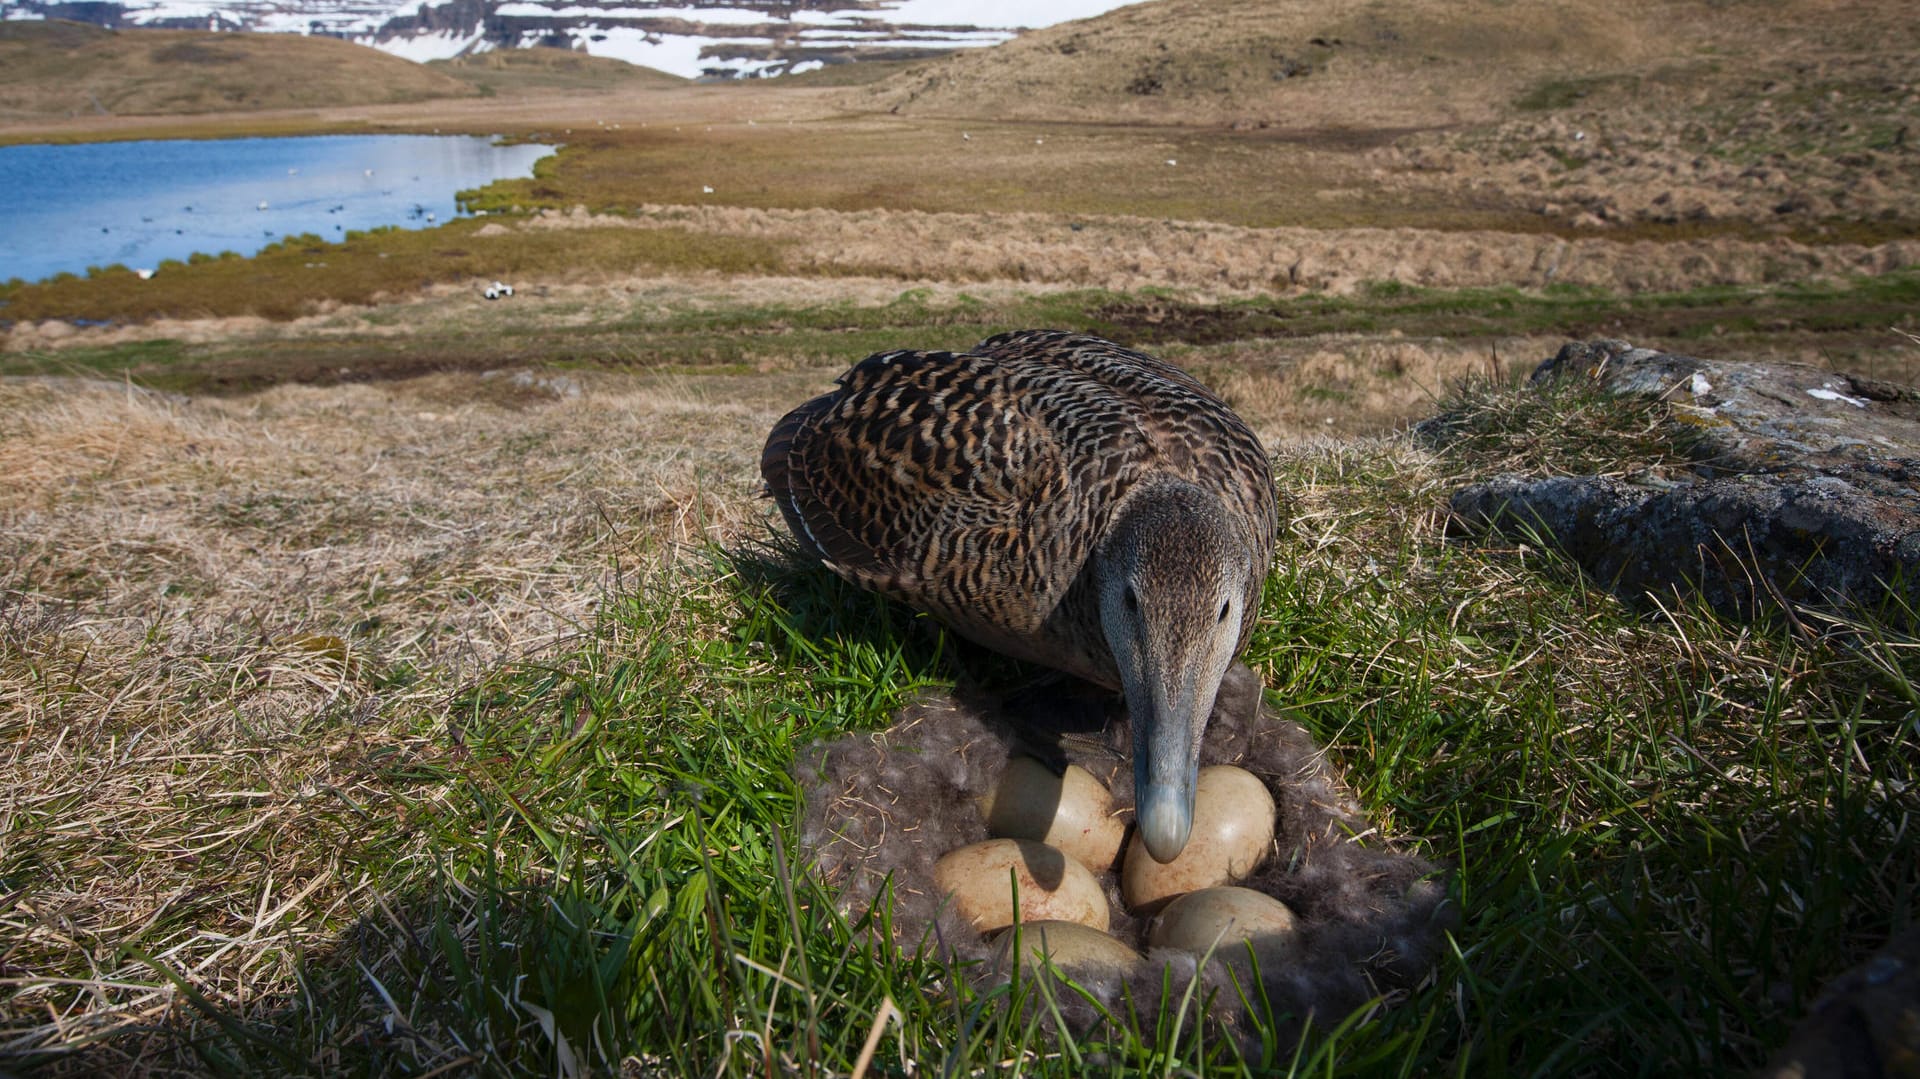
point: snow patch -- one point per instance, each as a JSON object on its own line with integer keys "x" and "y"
{"x": 623, "y": 25}
{"x": 420, "y": 48}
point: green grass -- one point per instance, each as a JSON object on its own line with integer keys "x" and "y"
{"x": 300, "y": 274}
{"x": 1552, "y": 94}
{"x": 1844, "y": 316}
{"x": 1664, "y": 830}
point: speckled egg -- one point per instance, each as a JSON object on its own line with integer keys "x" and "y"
{"x": 981, "y": 879}
{"x": 1219, "y": 918}
{"x": 1232, "y": 834}
{"x": 1072, "y": 947}
{"x": 1072, "y": 812}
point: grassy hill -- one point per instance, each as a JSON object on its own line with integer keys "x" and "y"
{"x": 520, "y": 71}
{"x": 51, "y": 69}
{"x": 1342, "y": 63}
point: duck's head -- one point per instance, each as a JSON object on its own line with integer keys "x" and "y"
{"x": 1178, "y": 588}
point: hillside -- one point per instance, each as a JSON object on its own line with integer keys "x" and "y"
{"x": 52, "y": 69}
{"x": 1656, "y": 113}
{"x": 545, "y": 70}
{"x": 1349, "y": 63}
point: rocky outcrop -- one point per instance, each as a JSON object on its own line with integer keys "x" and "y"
{"x": 1803, "y": 487}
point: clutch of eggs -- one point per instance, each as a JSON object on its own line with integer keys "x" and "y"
{"x": 1055, "y": 831}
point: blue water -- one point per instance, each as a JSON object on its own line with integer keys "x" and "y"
{"x": 136, "y": 203}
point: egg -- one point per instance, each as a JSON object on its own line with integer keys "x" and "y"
{"x": 1052, "y": 886}
{"x": 1219, "y": 918}
{"x": 1072, "y": 947}
{"x": 1232, "y": 834}
{"x": 1072, "y": 812}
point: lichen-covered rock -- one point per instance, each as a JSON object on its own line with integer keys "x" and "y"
{"x": 1804, "y": 487}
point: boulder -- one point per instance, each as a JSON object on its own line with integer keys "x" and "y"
{"x": 1802, "y": 487}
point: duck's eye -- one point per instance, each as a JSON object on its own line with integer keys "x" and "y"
{"x": 1132, "y": 600}
{"x": 1224, "y": 609}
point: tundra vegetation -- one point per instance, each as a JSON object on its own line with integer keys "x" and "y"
{"x": 395, "y": 682}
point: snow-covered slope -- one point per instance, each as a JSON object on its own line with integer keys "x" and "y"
{"x": 693, "y": 38}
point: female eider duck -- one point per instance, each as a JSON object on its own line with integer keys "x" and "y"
{"x": 1057, "y": 498}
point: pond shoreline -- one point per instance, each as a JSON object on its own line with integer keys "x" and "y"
{"x": 148, "y": 204}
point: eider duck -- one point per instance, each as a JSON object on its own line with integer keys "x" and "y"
{"x": 1057, "y": 498}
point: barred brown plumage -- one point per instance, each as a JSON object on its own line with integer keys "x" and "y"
{"x": 1058, "y": 498}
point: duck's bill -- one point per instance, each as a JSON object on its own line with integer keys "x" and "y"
{"x": 1166, "y": 750}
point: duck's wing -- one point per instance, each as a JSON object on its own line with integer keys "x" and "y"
{"x": 1193, "y": 434}
{"x": 959, "y": 483}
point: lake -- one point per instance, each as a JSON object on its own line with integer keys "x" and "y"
{"x": 136, "y": 203}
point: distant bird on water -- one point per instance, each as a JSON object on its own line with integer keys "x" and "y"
{"x": 1058, "y": 498}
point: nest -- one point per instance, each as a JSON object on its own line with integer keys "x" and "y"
{"x": 883, "y": 807}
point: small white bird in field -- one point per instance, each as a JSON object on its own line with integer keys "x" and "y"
{"x": 706, "y": 189}
{"x": 143, "y": 274}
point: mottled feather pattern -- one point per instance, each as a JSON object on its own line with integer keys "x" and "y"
{"x": 975, "y": 485}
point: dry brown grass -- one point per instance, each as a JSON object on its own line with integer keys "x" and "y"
{"x": 221, "y": 619}
{"x": 1678, "y": 114}
{"x": 1126, "y": 253}
{"x": 1305, "y": 390}
{"x": 1346, "y": 64}
{"x": 1358, "y": 65}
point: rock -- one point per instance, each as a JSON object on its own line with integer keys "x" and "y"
{"x": 1804, "y": 487}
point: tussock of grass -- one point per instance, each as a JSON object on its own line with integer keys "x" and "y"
{"x": 1666, "y": 829}
{"x": 1559, "y": 428}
